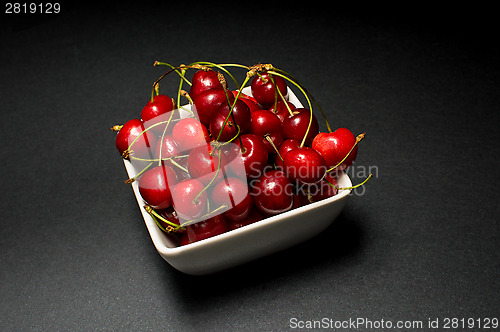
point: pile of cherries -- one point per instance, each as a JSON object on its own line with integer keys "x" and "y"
{"x": 230, "y": 159}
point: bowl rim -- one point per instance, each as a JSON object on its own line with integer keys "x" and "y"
{"x": 262, "y": 223}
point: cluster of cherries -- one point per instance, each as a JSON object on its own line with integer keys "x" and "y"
{"x": 230, "y": 159}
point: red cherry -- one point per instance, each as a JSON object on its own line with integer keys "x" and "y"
{"x": 254, "y": 216}
{"x": 304, "y": 164}
{"x": 206, "y": 228}
{"x": 297, "y": 201}
{"x": 296, "y": 126}
{"x": 301, "y": 195}
{"x": 241, "y": 113}
{"x": 243, "y": 96}
{"x": 284, "y": 148}
{"x": 281, "y": 110}
{"x": 207, "y": 102}
{"x": 325, "y": 188}
{"x": 218, "y": 123}
{"x": 203, "y": 164}
{"x": 166, "y": 148}
{"x": 203, "y": 80}
{"x": 161, "y": 109}
{"x": 161, "y": 104}
{"x": 233, "y": 192}
{"x": 185, "y": 201}
{"x": 267, "y": 123}
{"x": 185, "y": 240}
{"x": 263, "y": 89}
{"x": 189, "y": 133}
{"x": 335, "y": 146}
{"x": 155, "y": 184}
{"x": 252, "y": 105}
{"x": 253, "y": 156}
{"x": 171, "y": 215}
{"x": 131, "y": 133}
{"x": 272, "y": 193}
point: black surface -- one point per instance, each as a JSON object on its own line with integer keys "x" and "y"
{"x": 421, "y": 243}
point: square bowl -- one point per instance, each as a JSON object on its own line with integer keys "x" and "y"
{"x": 249, "y": 242}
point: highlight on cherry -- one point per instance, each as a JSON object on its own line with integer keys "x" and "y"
{"x": 225, "y": 147}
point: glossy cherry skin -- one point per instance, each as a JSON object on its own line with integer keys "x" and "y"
{"x": 203, "y": 164}
{"x": 272, "y": 193}
{"x": 161, "y": 104}
{"x": 263, "y": 89}
{"x": 267, "y": 123}
{"x": 324, "y": 188}
{"x": 159, "y": 110}
{"x": 304, "y": 164}
{"x": 155, "y": 186}
{"x": 296, "y": 126}
{"x": 234, "y": 193}
{"x": 254, "y": 216}
{"x": 142, "y": 147}
{"x": 206, "y": 228}
{"x": 335, "y": 146}
{"x": 189, "y": 133}
{"x": 171, "y": 215}
{"x": 284, "y": 148}
{"x": 221, "y": 129}
{"x": 185, "y": 240}
{"x": 243, "y": 96}
{"x": 252, "y": 104}
{"x": 253, "y": 156}
{"x": 184, "y": 199}
{"x": 203, "y": 80}
{"x": 166, "y": 148}
{"x": 281, "y": 110}
{"x": 206, "y": 104}
{"x": 241, "y": 113}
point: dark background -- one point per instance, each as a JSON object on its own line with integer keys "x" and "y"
{"x": 422, "y": 242}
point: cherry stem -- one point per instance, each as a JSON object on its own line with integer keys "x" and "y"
{"x": 159, "y": 79}
{"x": 179, "y": 166}
{"x": 204, "y": 217}
{"x": 235, "y": 136}
{"x": 171, "y": 159}
{"x": 116, "y": 128}
{"x": 233, "y": 104}
{"x": 296, "y": 82}
{"x": 222, "y": 80}
{"x": 148, "y": 128}
{"x": 221, "y": 67}
{"x": 285, "y": 102}
{"x": 128, "y": 181}
{"x": 183, "y": 72}
{"x": 358, "y": 139}
{"x": 211, "y": 181}
{"x": 163, "y": 135}
{"x": 305, "y": 95}
{"x": 164, "y": 159}
{"x": 186, "y": 95}
{"x": 176, "y": 69}
{"x": 155, "y": 215}
{"x": 268, "y": 138}
{"x": 353, "y": 187}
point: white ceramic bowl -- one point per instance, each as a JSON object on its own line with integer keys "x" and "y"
{"x": 250, "y": 242}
